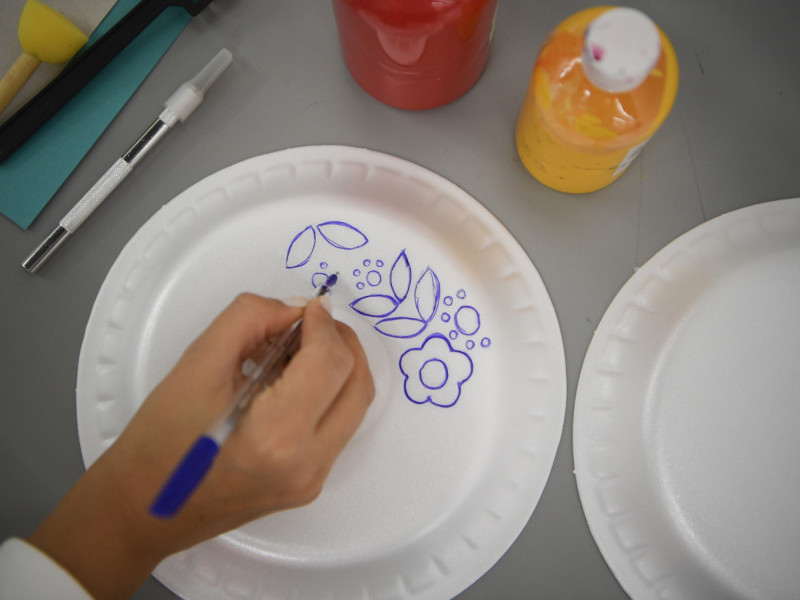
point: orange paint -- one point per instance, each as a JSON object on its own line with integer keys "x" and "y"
{"x": 575, "y": 137}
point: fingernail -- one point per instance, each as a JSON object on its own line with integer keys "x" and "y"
{"x": 325, "y": 301}
{"x": 295, "y": 301}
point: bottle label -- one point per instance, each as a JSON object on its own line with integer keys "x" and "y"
{"x": 629, "y": 157}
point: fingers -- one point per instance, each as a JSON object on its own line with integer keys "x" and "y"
{"x": 321, "y": 367}
{"x": 343, "y": 417}
{"x": 236, "y": 332}
{"x": 308, "y": 415}
{"x": 281, "y": 450}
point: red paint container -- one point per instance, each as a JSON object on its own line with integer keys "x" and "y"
{"x": 415, "y": 54}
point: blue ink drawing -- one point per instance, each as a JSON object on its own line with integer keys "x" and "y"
{"x": 374, "y": 305}
{"x": 301, "y": 248}
{"x": 342, "y": 235}
{"x": 374, "y": 278}
{"x": 426, "y": 299}
{"x": 426, "y": 295}
{"x": 467, "y": 320}
{"x": 337, "y": 233}
{"x": 434, "y": 372}
{"x": 317, "y": 279}
{"x": 400, "y": 277}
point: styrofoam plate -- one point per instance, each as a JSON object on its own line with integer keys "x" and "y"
{"x": 687, "y": 453}
{"x": 460, "y": 333}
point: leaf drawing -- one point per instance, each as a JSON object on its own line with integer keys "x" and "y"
{"x": 301, "y": 248}
{"x": 377, "y": 305}
{"x": 426, "y": 295}
{"x": 400, "y": 277}
{"x": 400, "y": 327}
{"x": 342, "y": 235}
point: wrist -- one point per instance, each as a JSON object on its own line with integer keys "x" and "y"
{"x": 96, "y": 535}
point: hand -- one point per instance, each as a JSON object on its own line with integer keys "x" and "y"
{"x": 277, "y": 457}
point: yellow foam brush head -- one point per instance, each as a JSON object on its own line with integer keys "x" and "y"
{"x": 47, "y": 34}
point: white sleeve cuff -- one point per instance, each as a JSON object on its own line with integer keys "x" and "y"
{"x": 26, "y": 573}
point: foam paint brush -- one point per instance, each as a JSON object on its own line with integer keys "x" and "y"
{"x": 45, "y": 35}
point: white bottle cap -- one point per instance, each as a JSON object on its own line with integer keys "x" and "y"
{"x": 620, "y": 48}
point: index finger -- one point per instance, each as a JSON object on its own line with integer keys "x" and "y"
{"x": 236, "y": 331}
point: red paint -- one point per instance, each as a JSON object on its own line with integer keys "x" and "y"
{"x": 415, "y": 54}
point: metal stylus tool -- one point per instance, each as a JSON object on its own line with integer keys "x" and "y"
{"x": 178, "y": 107}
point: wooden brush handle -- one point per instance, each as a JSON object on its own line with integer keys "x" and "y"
{"x": 16, "y": 77}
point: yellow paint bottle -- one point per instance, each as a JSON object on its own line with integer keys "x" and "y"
{"x": 604, "y": 81}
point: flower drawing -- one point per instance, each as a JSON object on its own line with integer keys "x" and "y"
{"x": 435, "y": 372}
{"x": 404, "y": 300}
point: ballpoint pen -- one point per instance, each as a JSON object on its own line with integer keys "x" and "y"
{"x": 265, "y": 366}
{"x": 178, "y": 107}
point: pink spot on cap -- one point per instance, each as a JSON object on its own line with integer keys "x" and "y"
{"x": 598, "y": 52}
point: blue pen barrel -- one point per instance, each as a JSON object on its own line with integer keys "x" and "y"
{"x": 186, "y": 477}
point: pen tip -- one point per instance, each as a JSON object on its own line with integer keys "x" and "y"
{"x": 331, "y": 281}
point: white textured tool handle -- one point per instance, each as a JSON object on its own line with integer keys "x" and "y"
{"x": 98, "y": 192}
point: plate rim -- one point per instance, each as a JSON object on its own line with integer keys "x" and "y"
{"x": 611, "y": 541}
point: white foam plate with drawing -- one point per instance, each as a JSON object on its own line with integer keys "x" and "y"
{"x": 461, "y": 336}
{"x": 686, "y": 414}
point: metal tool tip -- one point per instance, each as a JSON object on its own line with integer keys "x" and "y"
{"x": 45, "y": 250}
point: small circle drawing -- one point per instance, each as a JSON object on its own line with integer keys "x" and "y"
{"x": 467, "y": 320}
{"x": 453, "y": 334}
{"x": 448, "y": 301}
{"x": 461, "y": 294}
{"x": 470, "y": 344}
{"x": 356, "y": 272}
{"x": 373, "y": 278}
{"x": 445, "y": 317}
{"x": 486, "y": 342}
{"x": 433, "y": 374}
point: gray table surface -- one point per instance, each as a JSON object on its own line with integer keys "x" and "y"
{"x": 732, "y": 140}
